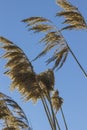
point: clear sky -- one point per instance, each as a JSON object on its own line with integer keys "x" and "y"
{"x": 70, "y": 81}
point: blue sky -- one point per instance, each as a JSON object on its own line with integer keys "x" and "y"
{"x": 70, "y": 81}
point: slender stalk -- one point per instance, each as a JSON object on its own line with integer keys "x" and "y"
{"x": 57, "y": 123}
{"x": 53, "y": 115}
{"x": 47, "y": 113}
{"x": 49, "y": 117}
{"x": 76, "y": 60}
{"x": 74, "y": 56}
{"x": 52, "y": 119}
{"x": 64, "y": 118}
{"x": 46, "y": 108}
{"x": 59, "y": 31}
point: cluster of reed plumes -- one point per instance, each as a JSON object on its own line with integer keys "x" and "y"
{"x": 31, "y": 85}
{"x": 20, "y": 70}
{"x": 53, "y": 40}
{"x": 72, "y": 16}
{"x": 34, "y": 86}
{"x": 12, "y": 116}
